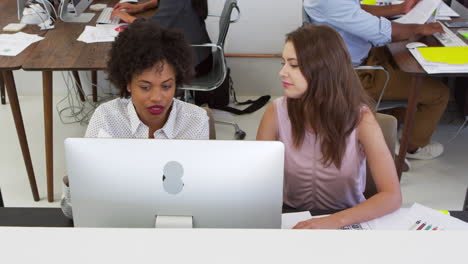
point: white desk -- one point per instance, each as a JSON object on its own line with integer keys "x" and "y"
{"x": 76, "y": 245}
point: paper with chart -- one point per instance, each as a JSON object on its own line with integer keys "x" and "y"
{"x": 101, "y": 33}
{"x": 420, "y": 13}
{"x": 14, "y": 44}
{"x": 422, "y": 218}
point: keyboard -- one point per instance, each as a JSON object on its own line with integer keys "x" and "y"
{"x": 449, "y": 39}
{"x": 105, "y": 17}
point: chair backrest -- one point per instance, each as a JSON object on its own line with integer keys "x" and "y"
{"x": 212, "y": 134}
{"x": 1, "y": 199}
{"x": 388, "y": 124}
{"x": 225, "y": 20}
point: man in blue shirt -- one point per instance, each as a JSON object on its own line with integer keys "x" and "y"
{"x": 365, "y": 31}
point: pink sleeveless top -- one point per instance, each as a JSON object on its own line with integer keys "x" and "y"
{"x": 308, "y": 184}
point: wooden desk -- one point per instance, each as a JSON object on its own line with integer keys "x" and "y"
{"x": 7, "y": 65}
{"x": 108, "y": 245}
{"x": 407, "y": 63}
{"x": 53, "y": 217}
{"x": 61, "y": 51}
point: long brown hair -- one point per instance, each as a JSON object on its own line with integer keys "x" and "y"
{"x": 331, "y": 104}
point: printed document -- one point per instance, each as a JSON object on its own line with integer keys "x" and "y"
{"x": 14, "y": 44}
{"x": 100, "y": 33}
{"x": 420, "y": 13}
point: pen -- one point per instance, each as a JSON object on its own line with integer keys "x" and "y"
{"x": 435, "y": 228}
{"x": 414, "y": 225}
{"x": 428, "y": 227}
{"x": 421, "y": 226}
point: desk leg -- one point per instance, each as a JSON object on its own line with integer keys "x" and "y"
{"x": 79, "y": 87}
{"x": 48, "y": 125}
{"x": 15, "y": 109}
{"x": 2, "y": 89}
{"x": 409, "y": 121}
{"x": 94, "y": 84}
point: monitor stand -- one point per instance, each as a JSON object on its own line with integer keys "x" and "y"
{"x": 170, "y": 221}
{"x": 72, "y": 18}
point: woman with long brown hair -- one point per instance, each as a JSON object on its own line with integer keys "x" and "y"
{"x": 328, "y": 129}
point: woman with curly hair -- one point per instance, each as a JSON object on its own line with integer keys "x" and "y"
{"x": 147, "y": 63}
{"x": 185, "y": 15}
{"x": 328, "y": 129}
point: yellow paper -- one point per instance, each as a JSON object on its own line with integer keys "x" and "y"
{"x": 450, "y": 55}
{"x": 369, "y": 2}
{"x": 444, "y": 211}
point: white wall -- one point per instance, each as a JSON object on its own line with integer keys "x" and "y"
{"x": 261, "y": 30}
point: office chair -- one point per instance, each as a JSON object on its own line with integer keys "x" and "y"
{"x": 2, "y": 89}
{"x": 212, "y": 134}
{"x": 218, "y": 73}
{"x": 1, "y": 199}
{"x": 388, "y": 124}
{"x": 465, "y": 204}
{"x": 383, "y": 104}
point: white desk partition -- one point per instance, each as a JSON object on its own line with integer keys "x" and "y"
{"x": 75, "y": 245}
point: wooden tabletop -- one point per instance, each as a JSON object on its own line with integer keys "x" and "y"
{"x": 9, "y": 14}
{"x": 407, "y": 63}
{"x": 62, "y": 51}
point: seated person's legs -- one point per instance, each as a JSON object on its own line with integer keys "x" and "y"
{"x": 432, "y": 101}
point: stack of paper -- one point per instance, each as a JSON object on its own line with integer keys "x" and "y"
{"x": 101, "y": 33}
{"x": 444, "y": 12}
{"x": 442, "y": 59}
{"x": 420, "y": 13}
{"x": 14, "y": 44}
{"x": 418, "y": 217}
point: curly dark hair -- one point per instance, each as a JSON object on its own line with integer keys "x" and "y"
{"x": 143, "y": 45}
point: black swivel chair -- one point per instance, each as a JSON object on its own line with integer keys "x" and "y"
{"x": 1, "y": 199}
{"x": 218, "y": 73}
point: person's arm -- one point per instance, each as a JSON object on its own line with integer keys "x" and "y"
{"x": 349, "y": 17}
{"x": 409, "y": 31}
{"x": 382, "y": 166}
{"x": 123, "y": 10}
{"x": 136, "y": 8}
{"x": 390, "y": 10}
{"x": 123, "y": 15}
{"x": 267, "y": 130}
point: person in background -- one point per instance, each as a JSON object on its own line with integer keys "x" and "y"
{"x": 365, "y": 31}
{"x": 147, "y": 63}
{"x": 329, "y": 130}
{"x": 185, "y": 15}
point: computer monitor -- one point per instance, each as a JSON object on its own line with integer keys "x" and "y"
{"x": 218, "y": 184}
{"x": 21, "y": 4}
{"x": 78, "y": 16}
{"x": 461, "y": 7}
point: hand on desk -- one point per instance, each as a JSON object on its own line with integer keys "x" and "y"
{"x": 130, "y": 8}
{"x": 327, "y": 222}
{"x": 124, "y": 16}
{"x": 429, "y": 29}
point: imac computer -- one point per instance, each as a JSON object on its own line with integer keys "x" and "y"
{"x": 175, "y": 183}
{"x": 78, "y": 16}
{"x": 21, "y": 4}
{"x": 33, "y": 12}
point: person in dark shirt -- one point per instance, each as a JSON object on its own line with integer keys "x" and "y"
{"x": 185, "y": 15}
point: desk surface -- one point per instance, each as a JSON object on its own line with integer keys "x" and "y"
{"x": 62, "y": 51}
{"x": 407, "y": 63}
{"x": 53, "y": 217}
{"x": 93, "y": 245}
{"x": 9, "y": 15}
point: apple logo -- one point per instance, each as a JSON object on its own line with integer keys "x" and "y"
{"x": 172, "y": 177}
